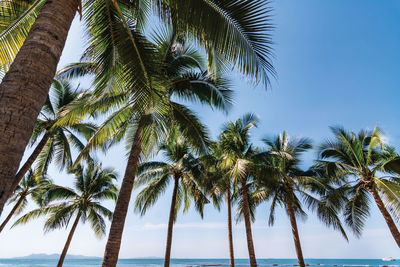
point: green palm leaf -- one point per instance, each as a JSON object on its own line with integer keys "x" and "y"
{"x": 16, "y": 19}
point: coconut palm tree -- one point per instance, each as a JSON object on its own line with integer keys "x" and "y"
{"x": 237, "y": 159}
{"x": 281, "y": 180}
{"x": 357, "y": 159}
{"x": 92, "y": 186}
{"x": 218, "y": 186}
{"x": 56, "y": 138}
{"x": 181, "y": 167}
{"x": 173, "y": 71}
{"x": 26, "y": 84}
{"x": 238, "y": 31}
{"x": 33, "y": 184}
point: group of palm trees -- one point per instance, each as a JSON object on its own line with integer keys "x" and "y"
{"x": 141, "y": 84}
{"x": 336, "y": 187}
{"x": 137, "y": 79}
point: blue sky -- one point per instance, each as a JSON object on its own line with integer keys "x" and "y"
{"x": 338, "y": 63}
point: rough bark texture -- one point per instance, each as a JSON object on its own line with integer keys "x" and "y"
{"x": 25, "y": 86}
{"x": 389, "y": 220}
{"x": 117, "y": 226}
{"x": 296, "y": 237}
{"x": 171, "y": 219}
{"x": 230, "y": 235}
{"x": 22, "y": 171}
{"x": 66, "y": 246}
{"x": 247, "y": 222}
{"x": 11, "y": 213}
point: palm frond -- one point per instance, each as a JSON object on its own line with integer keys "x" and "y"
{"x": 390, "y": 190}
{"x": 16, "y": 19}
{"x": 356, "y": 210}
{"x": 238, "y": 30}
{"x": 97, "y": 223}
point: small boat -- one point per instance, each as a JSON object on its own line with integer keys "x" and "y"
{"x": 388, "y": 259}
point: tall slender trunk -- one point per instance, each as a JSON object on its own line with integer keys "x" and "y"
{"x": 25, "y": 86}
{"x": 66, "y": 246}
{"x": 296, "y": 237}
{"x": 171, "y": 219}
{"x": 21, "y": 198}
{"x": 247, "y": 222}
{"x": 22, "y": 171}
{"x": 117, "y": 226}
{"x": 230, "y": 235}
{"x": 389, "y": 221}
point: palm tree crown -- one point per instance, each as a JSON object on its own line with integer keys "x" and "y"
{"x": 56, "y": 140}
{"x": 61, "y": 136}
{"x": 92, "y": 186}
{"x": 184, "y": 169}
{"x": 180, "y": 164}
{"x": 33, "y": 184}
{"x": 237, "y": 162}
{"x": 357, "y": 160}
{"x": 279, "y": 178}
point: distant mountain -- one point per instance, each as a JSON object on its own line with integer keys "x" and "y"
{"x": 56, "y": 256}
{"x": 146, "y": 258}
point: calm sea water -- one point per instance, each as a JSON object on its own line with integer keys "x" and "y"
{"x": 200, "y": 262}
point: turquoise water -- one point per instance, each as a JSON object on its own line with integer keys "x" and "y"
{"x": 199, "y": 262}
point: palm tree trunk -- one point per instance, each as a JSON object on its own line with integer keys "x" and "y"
{"x": 11, "y": 213}
{"x": 25, "y": 86}
{"x": 66, "y": 246}
{"x": 117, "y": 226}
{"x": 230, "y": 235}
{"x": 389, "y": 221}
{"x": 247, "y": 222}
{"x": 171, "y": 220}
{"x": 22, "y": 171}
{"x": 296, "y": 237}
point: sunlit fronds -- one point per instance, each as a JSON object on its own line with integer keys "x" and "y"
{"x": 16, "y": 19}
{"x": 93, "y": 184}
{"x": 390, "y": 191}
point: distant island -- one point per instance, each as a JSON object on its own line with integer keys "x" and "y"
{"x": 42, "y": 256}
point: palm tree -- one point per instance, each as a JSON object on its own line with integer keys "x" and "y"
{"x": 26, "y": 84}
{"x": 33, "y": 184}
{"x": 181, "y": 167}
{"x": 357, "y": 159}
{"x": 56, "y": 138}
{"x": 237, "y": 159}
{"x": 237, "y": 31}
{"x": 281, "y": 180}
{"x": 173, "y": 71}
{"x": 92, "y": 185}
{"x": 219, "y": 186}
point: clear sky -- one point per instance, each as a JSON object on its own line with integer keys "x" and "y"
{"x": 338, "y": 63}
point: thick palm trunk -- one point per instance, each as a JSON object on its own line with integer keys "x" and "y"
{"x": 66, "y": 246}
{"x": 11, "y": 213}
{"x": 117, "y": 226}
{"x": 230, "y": 235}
{"x": 28, "y": 164}
{"x": 24, "y": 88}
{"x": 171, "y": 219}
{"x": 389, "y": 221}
{"x": 247, "y": 222}
{"x": 296, "y": 237}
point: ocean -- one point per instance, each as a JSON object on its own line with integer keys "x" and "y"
{"x": 199, "y": 262}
